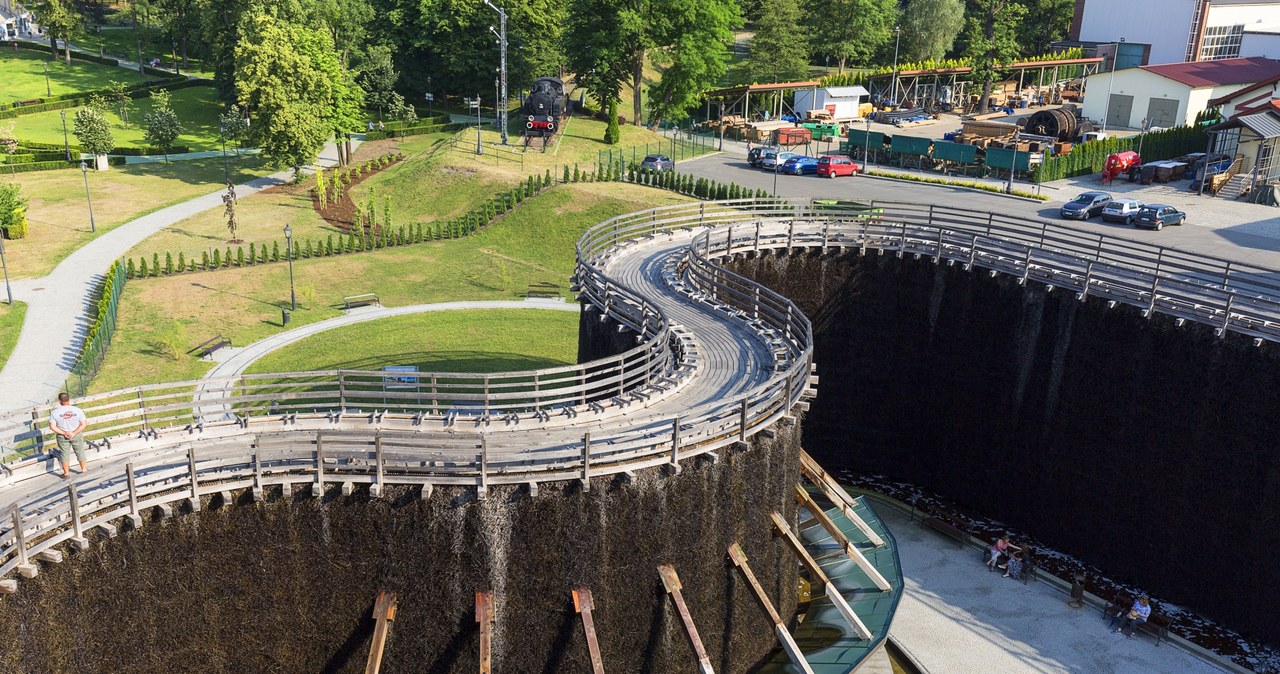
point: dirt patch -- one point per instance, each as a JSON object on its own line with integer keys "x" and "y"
{"x": 343, "y": 212}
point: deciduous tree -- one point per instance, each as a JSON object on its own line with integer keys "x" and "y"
{"x": 162, "y": 125}
{"x": 60, "y": 21}
{"x": 693, "y": 54}
{"x": 929, "y": 28}
{"x": 991, "y": 34}
{"x": 851, "y": 31}
{"x": 779, "y": 50}
{"x": 92, "y": 131}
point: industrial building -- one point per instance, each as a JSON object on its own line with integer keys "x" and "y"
{"x": 1170, "y": 94}
{"x": 1175, "y": 30}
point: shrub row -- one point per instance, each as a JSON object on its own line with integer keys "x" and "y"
{"x": 1090, "y": 157}
{"x": 374, "y": 237}
{"x": 421, "y": 121}
{"x": 53, "y": 165}
{"x": 129, "y": 151}
{"x": 986, "y": 187}
{"x": 82, "y": 98}
{"x": 700, "y": 188}
{"x": 412, "y": 131}
{"x": 31, "y": 46}
{"x": 101, "y": 328}
{"x": 171, "y": 81}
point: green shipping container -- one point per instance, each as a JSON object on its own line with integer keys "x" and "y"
{"x": 960, "y": 153}
{"x": 911, "y": 145}
{"x": 1001, "y": 158}
{"x": 858, "y": 138}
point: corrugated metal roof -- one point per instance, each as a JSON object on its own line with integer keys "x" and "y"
{"x": 1222, "y": 72}
{"x": 847, "y": 92}
{"x": 1265, "y": 124}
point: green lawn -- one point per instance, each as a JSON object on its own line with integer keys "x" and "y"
{"x": 197, "y": 109}
{"x": 59, "y": 214}
{"x": 450, "y": 341}
{"x": 10, "y": 326}
{"x": 24, "y": 77}
{"x": 532, "y": 244}
{"x": 119, "y": 42}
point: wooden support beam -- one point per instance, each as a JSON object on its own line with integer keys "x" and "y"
{"x": 671, "y": 582}
{"x": 384, "y": 612}
{"x": 485, "y": 618}
{"x": 25, "y": 567}
{"x": 784, "y": 637}
{"x": 829, "y": 486}
{"x": 820, "y": 577}
{"x": 317, "y": 487}
{"x": 77, "y": 526}
{"x": 850, "y": 549}
{"x": 8, "y": 586}
{"x": 194, "y": 499}
{"x": 582, "y": 603}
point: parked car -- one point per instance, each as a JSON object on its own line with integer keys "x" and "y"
{"x": 1156, "y": 216}
{"x": 770, "y": 161}
{"x": 801, "y": 165}
{"x": 837, "y": 166}
{"x": 755, "y": 154}
{"x": 658, "y": 163}
{"x": 1121, "y": 210}
{"x": 1085, "y": 206}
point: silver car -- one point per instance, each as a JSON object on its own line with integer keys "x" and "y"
{"x": 1122, "y": 210}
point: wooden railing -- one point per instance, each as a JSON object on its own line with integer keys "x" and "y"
{"x": 319, "y": 428}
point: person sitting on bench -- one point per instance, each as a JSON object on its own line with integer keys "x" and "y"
{"x": 1013, "y": 569}
{"x": 1128, "y": 622}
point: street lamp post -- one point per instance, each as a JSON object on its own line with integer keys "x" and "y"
{"x": 721, "y": 125}
{"x": 1012, "y": 167}
{"x": 1106, "y": 111}
{"x": 288, "y": 242}
{"x": 476, "y": 104}
{"x": 47, "y": 90}
{"x": 84, "y": 170}
{"x": 501, "y": 33}
{"x": 8, "y": 290}
{"x": 897, "y": 37}
{"x": 66, "y": 145}
{"x": 1146, "y": 124}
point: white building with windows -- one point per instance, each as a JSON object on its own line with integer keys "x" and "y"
{"x": 1170, "y": 94}
{"x": 1176, "y": 30}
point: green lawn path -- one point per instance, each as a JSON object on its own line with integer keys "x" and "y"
{"x": 497, "y": 340}
{"x": 24, "y": 76}
{"x": 197, "y": 109}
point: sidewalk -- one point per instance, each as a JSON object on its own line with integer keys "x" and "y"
{"x": 57, "y": 317}
{"x": 958, "y": 617}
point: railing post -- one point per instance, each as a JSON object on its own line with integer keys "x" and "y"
{"x": 77, "y": 527}
{"x": 791, "y": 232}
{"x": 757, "y": 239}
{"x": 378, "y": 462}
{"x": 1226, "y": 314}
{"x": 195, "y": 484}
{"x": 938, "y": 255}
{"x": 485, "y": 382}
{"x": 1026, "y": 266}
{"x": 1151, "y": 308}
{"x": 133, "y": 488}
{"x": 20, "y": 539}
{"x": 675, "y": 444}
{"x": 142, "y": 410}
{"x": 742, "y": 422}
{"x": 484, "y": 465}
{"x": 1098, "y": 254}
{"x": 586, "y": 461}
{"x": 1044, "y": 229}
{"x": 1226, "y": 274}
{"x": 990, "y": 216}
{"x": 318, "y": 487}
{"x": 1159, "y": 259}
{"x": 342, "y": 391}
{"x": 1088, "y": 280}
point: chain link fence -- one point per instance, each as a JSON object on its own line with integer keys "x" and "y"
{"x": 675, "y": 148}
{"x": 101, "y": 329}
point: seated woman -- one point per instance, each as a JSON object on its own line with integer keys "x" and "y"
{"x": 1128, "y": 622}
{"x": 995, "y": 552}
{"x": 1013, "y": 569}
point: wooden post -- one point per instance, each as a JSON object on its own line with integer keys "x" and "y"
{"x": 485, "y": 618}
{"x": 582, "y": 603}
{"x": 384, "y": 612}
{"x": 483, "y": 490}
{"x": 25, "y": 567}
{"x": 742, "y": 424}
{"x": 849, "y": 548}
{"x": 377, "y": 459}
{"x": 671, "y": 582}
{"x": 133, "y": 488}
{"x": 675, "y": 445}
{"x": 586, "y": 461}
{"x": 829, "y": 486}
{"x": 317, "y": 489}
{"x": 257, "y": 477}
{"x": 194, "y": 500}
{"x": 77, "y": 527}
{"x": 784, "y": 637}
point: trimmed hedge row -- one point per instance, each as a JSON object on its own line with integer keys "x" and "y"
{"x": 1087, "y": 158}
{"x": 421, "y": 121}
{"x": 985, "y": 187}
{"x": 82, "y": 98}
{"x": 128, "y": 151}
{"x": 413, "y": 131}
{"x": 28, "y": 157}
{"x": 101, "y": 329}
{"x": 79, "y": 56}
{"x": 53, "y": 165}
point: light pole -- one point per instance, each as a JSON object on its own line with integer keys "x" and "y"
{"x": 47, "y": 90}
{"x": 476, "y": 104}
{"x": 8, "y": 290}
{"x": 721, "y": 125}
{"x": 501, "y": 33}
{"x": 1012, "y": 167}
{"x": 897, "y": 37}
{"x": 1146, "y": 124}
{"x": 84, "y": 170}
{"x": 866, "y": 148}
{"x": 1106, "y": 111}
{"x": 288, "y": 242}
{"x": 66, "y": 145}
{"x": 222, "y": 135}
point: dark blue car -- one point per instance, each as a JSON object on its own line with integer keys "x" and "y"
{"x": 801, "y": 165}
{"x": 1156, "y": 216}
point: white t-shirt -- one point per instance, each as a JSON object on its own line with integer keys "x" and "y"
{"x": 66, "y": 417}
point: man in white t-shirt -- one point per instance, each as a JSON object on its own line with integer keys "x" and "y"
{"x": 67, "y": 423}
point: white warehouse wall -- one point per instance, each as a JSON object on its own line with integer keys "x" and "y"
{"x": 1163, "y": 24}
{"x": 1143, "y": 86}
{"x": 1230, "y": 15}
{"x": 1261, "y": 44}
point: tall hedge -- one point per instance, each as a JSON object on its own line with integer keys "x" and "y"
{"x": 1087, "y": 158}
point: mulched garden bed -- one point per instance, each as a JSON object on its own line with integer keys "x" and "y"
{"x": 1197, "y": 629}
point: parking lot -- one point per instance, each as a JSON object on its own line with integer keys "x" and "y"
{"x": 1227, "y": 229}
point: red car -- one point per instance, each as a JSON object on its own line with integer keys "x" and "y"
{"x": 831, "y": 167}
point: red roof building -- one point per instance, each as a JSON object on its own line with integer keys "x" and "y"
{"x": 1172, "y": 94}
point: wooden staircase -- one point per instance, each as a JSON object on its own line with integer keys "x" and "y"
{"x": 1238, "y": 185}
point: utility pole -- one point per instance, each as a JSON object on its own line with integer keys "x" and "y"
{"x": 1106, "y": 111}
{"x": 897, "y": 37}
{"x": 501, "y": 33}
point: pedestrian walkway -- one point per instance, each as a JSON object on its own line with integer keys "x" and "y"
{"x": 58, "y": 304}
{"x": 957, "y": 617}
{"x": 182, "y": 156}
{"x": 234, "y": 361}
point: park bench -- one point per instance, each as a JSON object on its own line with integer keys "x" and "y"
{"x": 367, "y": 299}
{"x": 1157, "y": 624}
{"x": 942, "y": 527}
{"x": 30, "y": 101}
{"x": 543, "y": 291}
{"x": 206, "y": 349}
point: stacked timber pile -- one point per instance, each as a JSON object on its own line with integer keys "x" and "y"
{"x": 986, "y": 134}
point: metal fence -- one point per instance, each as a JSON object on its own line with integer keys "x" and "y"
{"x": 676, "y": 149}
{"x": 101, "y": 330}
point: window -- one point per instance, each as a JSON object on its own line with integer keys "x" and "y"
{"x": 1221, "y": 42}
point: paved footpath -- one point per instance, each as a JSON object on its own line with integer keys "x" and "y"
{"x": 234, "y": 361}
{"x": 58, "y": 304}
{"x": 957, "y": 617}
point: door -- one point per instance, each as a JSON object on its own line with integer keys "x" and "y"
{"x": 1119, "y": 110}
{"x": 1162, "y": 112}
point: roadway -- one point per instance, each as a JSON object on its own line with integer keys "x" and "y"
{"x": 1229, "y": 230}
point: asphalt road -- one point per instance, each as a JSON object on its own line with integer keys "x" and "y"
{"x": 1235, "y": 237}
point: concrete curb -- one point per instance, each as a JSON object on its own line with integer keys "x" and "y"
{"x": 1092, "y": 600}
{"x": 954, "y": 187}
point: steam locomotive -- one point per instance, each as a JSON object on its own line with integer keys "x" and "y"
{"x": 544, "y": 106}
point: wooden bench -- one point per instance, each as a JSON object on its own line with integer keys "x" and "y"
{"x": 32, "y": 101}
{"x": 206, "y": 349}
{"x": 960, "y": 536}
{"x": 365, "y": 300}
{"x": 543, "y": 290}
{"x": 1157, "y": 624}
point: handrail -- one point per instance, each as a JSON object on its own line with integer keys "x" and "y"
{"x": 204, "y": 437}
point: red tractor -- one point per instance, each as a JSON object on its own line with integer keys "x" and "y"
{"x": 1118, "y": 163}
